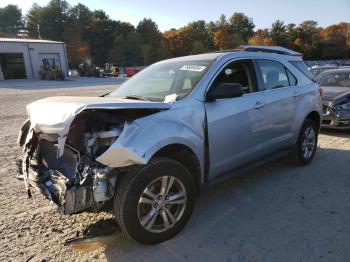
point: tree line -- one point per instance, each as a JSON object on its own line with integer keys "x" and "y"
{"x": 93, "y": 35}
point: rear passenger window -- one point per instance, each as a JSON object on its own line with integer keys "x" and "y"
{"x": 273, "y": 74}
{"x": 292, "y": 80}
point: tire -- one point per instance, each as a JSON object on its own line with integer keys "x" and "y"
{"x": 133, "y": 208}
{"x": 300, "y": 157}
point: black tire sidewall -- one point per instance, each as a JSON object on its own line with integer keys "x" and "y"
{"x": 299, "y": 154}
{"x": 144, "y": 177}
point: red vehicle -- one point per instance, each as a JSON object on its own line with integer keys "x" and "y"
{"x": 130, "y": 71}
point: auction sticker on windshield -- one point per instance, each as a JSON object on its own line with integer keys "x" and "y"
{"x": 194, "y": 68}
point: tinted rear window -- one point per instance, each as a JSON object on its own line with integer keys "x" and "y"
{"x": 300, "y": 65}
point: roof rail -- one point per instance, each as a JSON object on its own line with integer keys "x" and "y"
{"x": 271, "y": 49}
{"x": 264, "y": 49}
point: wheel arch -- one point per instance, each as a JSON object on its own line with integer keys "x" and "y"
{"x": 315, "y": 116}
{"x": 184, "y": 155}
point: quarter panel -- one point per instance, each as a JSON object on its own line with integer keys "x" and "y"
{"x": 310, "y": 100}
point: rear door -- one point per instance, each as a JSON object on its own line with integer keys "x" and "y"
{"x": 235, "y": 124}
{"x": 277, "y": 84}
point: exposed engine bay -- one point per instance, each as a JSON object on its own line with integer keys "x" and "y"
{"x": 65, "y": 169}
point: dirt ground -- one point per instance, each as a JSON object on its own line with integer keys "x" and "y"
{"x": 277, "y": 212}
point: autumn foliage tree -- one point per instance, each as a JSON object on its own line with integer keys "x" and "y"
{"x": 335, "y": 40}
{"x": 92, "y": 34}
{"x": 77, "y": 50}
{"x": 222, "y": 33}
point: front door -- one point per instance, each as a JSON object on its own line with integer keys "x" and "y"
{"x": 235, "y": 124}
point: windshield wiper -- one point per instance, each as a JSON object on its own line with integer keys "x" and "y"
{"x": 136, "y": 98}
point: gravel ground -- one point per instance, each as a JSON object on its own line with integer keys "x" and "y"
{"x": 277, "y": 212}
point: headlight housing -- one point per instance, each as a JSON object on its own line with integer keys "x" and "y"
{"x": 343, "y": 106}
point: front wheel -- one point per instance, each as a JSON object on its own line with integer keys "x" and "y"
{"x": 306, "y": 145}
{"x": 153, "y": 203}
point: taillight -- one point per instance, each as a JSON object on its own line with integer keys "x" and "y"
{"x": 321, "y": 92}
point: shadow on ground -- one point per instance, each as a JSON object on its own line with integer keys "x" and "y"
{"x": 268, "y": 214}
{"x": 335, "y": 132}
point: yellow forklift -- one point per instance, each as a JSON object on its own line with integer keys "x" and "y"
{"x": 110, "y": 69}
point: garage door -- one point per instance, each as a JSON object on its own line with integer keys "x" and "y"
{"x": 12, "y": 66}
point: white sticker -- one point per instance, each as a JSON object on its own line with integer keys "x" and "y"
{"x": 194, "y": 68}
{"x": 170, "y": 98}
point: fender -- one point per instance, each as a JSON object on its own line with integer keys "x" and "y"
{"x": 142, "y": 138}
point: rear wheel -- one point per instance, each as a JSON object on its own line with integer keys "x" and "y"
{"x": 153, "y": 203}
{"x": 306, "y": 145}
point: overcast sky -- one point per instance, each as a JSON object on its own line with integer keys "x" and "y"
{"x": 174, "y": 14}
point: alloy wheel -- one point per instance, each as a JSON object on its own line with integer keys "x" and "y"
{"x": 309, "y": 142}
{"x": 162, "y": 204}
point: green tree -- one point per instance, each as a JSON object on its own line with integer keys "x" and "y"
{"x": 11, "y": 20}
{"x": 291, "y": 32}
{"x": 198, "y": 47}
{"x": 149, "y": 32}
{"x": 308, "y": 34}
{"x": 80, "y": 17}
{"x": 151, "y": 39}
{"x": 222, "y": 33}
{"x": 79, "y": 21}
{"x": 211, "y": 28}
{"x": 241, "y": 26}
{"x": 99, "y": 35}
{"x": 127, "y": 50}
{"x": 33, "y": 20}
{"x": 123, "y": 28}
{"x": 278, "y": 33}
{"x": 52, "y": 19}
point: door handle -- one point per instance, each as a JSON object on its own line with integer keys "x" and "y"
{"x": 296, "y": 94}
{"x": 259, "y": 105}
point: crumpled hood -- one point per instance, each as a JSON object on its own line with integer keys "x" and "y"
{"x": 54, "y": 115}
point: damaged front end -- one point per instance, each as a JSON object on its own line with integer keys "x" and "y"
{"x": 64, "y": 167}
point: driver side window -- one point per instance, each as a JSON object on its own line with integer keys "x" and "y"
{"x": 238, "y": 72}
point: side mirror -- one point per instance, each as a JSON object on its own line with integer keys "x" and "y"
{"x": 225, "y": 90}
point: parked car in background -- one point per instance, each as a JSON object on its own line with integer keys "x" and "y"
{"x": 177, "y": 127}
{"x": 336, "y": 97}
{"x": 316, "y": 70}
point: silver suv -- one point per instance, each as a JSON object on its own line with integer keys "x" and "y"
{"x": 178, "y": 126}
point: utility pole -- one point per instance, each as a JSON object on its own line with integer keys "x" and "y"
{"x": 39, "y": 36}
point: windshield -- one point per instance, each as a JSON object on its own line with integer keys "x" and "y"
{"x": 167, "y": 81}
{"x": 337, "y": 79}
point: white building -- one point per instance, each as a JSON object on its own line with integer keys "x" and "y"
{"x": 22, "y": 58}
